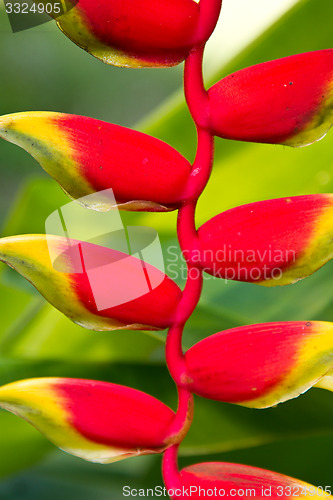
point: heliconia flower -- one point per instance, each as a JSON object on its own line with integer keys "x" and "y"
{"x": 218, "y": 479}
{"x": 86, "y": 280}
{"x": 97, "y": 421}
{"x": 287, "y": 101}
{"x": 259, "y": 366}
{"x": 272, "y": 242}
{"x": 128, "y": 33}
{"x": 85, "y": 156}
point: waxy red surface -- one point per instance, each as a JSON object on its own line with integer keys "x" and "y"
{"x": 96, "y": 267}
{"x": 235, "y": 479}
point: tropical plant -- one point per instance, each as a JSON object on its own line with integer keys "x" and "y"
{"x": 273, "y": 242}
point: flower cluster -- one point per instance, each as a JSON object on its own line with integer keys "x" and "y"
{"x": 273, "y": 242}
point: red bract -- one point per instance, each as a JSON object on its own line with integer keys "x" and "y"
{"x": 261, "y": 365}
{"x": 98, "y": 421}
{"x": 217, "y": 480}
{"x": 272, "y": 242}
{"x": 131, "y": 33}
{"x": 287, "y": 101}
{"x": 86, "y": 156}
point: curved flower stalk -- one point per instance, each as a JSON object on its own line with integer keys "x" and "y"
{"x": 259, "y": 366}
{"x": 85, "y": 156}
{"x": 272, "y": 242}
{"x": 132, "y": 34}
{"x": 288, "y": 101}
{"x": 79, "y": 282}
{"x": 97, "y": 421}
{"x": 217, "y": 479}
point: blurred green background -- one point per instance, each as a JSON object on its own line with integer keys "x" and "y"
{"x": 42, "y": 70}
